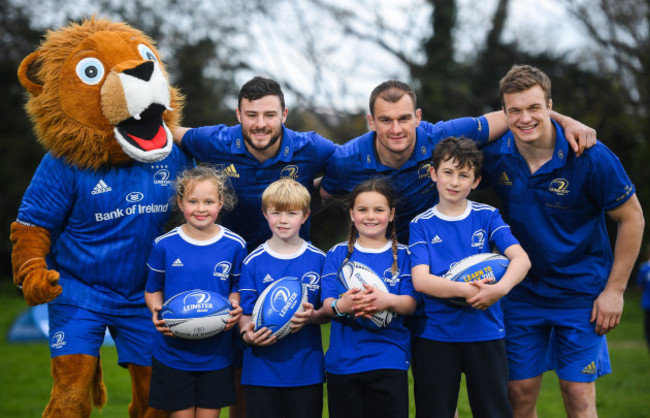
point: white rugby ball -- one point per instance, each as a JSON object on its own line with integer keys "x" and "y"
{"x": 196, "y": 314}
{"x": 277, "y": 304}
{"x": 354, "y": 275}
{"x": 477, "y": 267}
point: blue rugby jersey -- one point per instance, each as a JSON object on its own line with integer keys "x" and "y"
{"x": 354, "y": 348}
{"x": 297, "y": 359}
{"x": 558, "y": 215}
{"x": 643, "y": 280}
{"x": 439, "y": 241}
{"x": 178, "y": 263}
{"x": 102, "y": 224}
{"x": 356, "y": 161}
{"x": 302, "y": 156}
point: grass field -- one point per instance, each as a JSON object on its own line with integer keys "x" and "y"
{"x": 25, "y": 381}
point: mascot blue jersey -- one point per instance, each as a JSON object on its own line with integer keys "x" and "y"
{"x": 558, "y": 215}
{"x": 102, "y": 223}
{"x": 356, "y": 161}
{"x": 302, "y": 156}
{"x": 354, "y": 348}
{"x": 178, "y": 263}
{"x": 297, "y": 359}
{"x": 439, "y": 241}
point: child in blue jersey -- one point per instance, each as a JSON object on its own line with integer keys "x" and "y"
{"x": 461, "y": 339}
{"x": 192, "y": 378}
{"x": 283, "y": 378}
{"x": 643, "y": 281}
{"x": 367, "y": 367}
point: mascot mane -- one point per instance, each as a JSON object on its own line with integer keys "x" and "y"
{"x": 99, "y": 95}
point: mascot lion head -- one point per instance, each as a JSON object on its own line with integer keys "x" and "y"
{"x": 99, "y": 95}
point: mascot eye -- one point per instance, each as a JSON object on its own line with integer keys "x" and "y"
{"x": 90, "y": 71}
{"x": 147, "y": 53}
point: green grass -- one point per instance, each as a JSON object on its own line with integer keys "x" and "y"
{"x": 25, "y": 380}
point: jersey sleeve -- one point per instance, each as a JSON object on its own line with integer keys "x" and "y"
{"x": 235, "y": 273}
{"x": 418, "y": 248}
{"x": 247, "y": 287}
{"x": 500, "y": 233}
{"x": 50, "y": 195}
{"x": 476, "y": 129}
{"x": 330, "y": 287}
{"x": 324, "y": 150}
{"x": 156, "y": 267}
{"x": 205, "y": 143}
{"x": 335, "y": 179}
{"x": 405, "y": 283}
{"x": 609, "y": 184}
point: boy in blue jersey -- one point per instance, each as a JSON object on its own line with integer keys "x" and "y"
{"x": 284, "y": 378}
{"x": 461, "y": 339}
{"x": 555, "y": 204}
{"x": 643, "y": 281}
{"x": 257, "y": 152}
{"x": 400, "y": 144}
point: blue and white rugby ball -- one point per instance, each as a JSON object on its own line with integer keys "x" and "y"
{"x": 277, "y": 304}
{"x": 354, "y": 275}
{"x": 477, "y": 267}
{"x": 196, "y": 314}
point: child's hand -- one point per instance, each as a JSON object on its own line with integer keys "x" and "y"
{"x": 347, "y": 302}
{"x": 235, "y": 314}
{"x": 487, "y": 295}
{"x": 261, "y": 337}
{"x": 300, "y": 319}
{"x": 159, "y": 323}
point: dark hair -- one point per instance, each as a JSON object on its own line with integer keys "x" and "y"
{"x": 463, "y": 150}
{"x": 383, "y": 187}
{"x": 259, "y": 87}
{"x": 391, "y": 91}
{"x": 523, "y": 77}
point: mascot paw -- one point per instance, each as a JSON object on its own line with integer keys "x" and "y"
{"x": 41, "y": 286}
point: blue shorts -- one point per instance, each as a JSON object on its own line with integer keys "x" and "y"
{"x": 75, "y": 330}
{"x": 540, "y": 339}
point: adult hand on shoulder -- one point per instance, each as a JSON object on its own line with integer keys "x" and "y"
{"x": 607, "y": 310}
{"x": 300, "y": 319}
{"x": 579, "y": 136}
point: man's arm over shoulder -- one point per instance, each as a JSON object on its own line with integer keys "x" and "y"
{"x": 177, "y": 134}
{"x": 608, "y": 306}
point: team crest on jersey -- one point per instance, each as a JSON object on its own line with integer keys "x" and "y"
{"x": 161, "y": 176}
{"x": 290, "y": 171}
{"x": 478, "y": 239}
{"x": 424, "y": 171}
{"x": 222, "y": 270}
{"x": 134, "y": 197}
{"x": 389, "y": 278}
{"x": 58, "y": 340}
{"x": 504, "y": 180}
{"x": 559, "y": 186}
{"x": 311, "y": 280}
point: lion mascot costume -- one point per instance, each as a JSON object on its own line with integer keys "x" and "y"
{"x": 102, "y": 106}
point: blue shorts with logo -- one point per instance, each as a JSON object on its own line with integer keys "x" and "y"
{"x": 541, "y": 338}
{"x": 75, "y": 330}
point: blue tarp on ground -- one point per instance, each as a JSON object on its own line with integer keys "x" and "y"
{"x": 32, "y": 326}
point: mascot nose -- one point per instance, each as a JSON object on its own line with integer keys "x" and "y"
{"x": 142, "y": 71}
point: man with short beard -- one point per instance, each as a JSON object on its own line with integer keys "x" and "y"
{"x": 257, "y": 152}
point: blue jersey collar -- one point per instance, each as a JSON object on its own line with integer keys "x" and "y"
{"x": 285, "y": 152}
{"x": 422, "y": 151}
{"x": 560, "y": 154}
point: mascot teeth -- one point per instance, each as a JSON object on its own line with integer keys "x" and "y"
{"x": 144, "y": 136}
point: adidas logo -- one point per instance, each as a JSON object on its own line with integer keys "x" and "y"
{"x": 267, "y": 279}
{"x": 436, "y": 240}
{"x": 101, "y": 187}
{"x": 590, "y": 369}
{"x": 177, "y": 263}
{"x": 231, "y": 171}
{"x": 504, "y": 180}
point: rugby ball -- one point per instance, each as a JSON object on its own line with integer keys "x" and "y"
{"x": 477, "y": 267}
{"x": 277, "y": 304}
{"x": 354, "y": 275}
{"x": 196, "y": 314}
